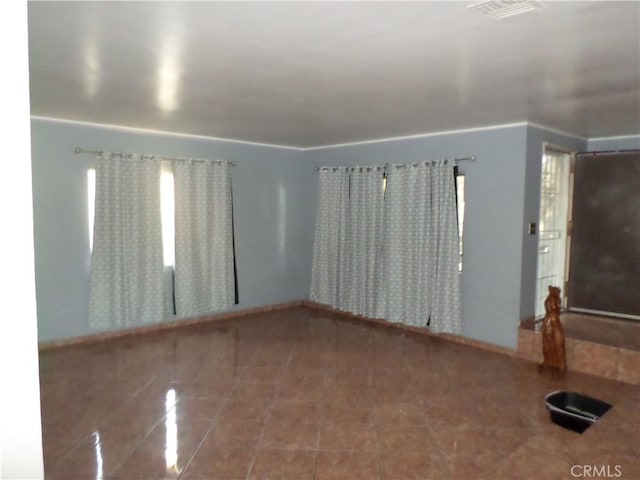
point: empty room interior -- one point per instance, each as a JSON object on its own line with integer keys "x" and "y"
{"x": 317, "y": 240}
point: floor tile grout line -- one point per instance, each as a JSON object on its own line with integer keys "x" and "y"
{"x": 436, "y": 444}
{"x": 268, "y": 417}
{"x": 257, "y": 447}
{"x": 186, "y": 465}
{"x": 103, "y": 423}
{"x": 320, "y": 422}
{"x": 530, "y": 421}
{"x": 211, "y": 425}
{"x": 137, "y": 445}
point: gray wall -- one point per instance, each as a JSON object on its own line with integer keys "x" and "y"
{"x": 270, "y": 203}
{"x": 275, "y": 200}
{"x": 493, "y": 231}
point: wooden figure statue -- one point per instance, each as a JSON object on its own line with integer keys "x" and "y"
{"x": 553, "y": 345}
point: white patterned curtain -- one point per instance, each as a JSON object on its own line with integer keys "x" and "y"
{"x": 421, "y": 280}
{"x": 359, "y": 280}
{"x": 126, "y": 286}
{"x": 446, "y": 315}
{"x": 204, "y": 258}
{"x": 330, "y": 235}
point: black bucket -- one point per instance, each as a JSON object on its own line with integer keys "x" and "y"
{"x": 575, "y": 411}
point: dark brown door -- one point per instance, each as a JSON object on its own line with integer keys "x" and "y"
{"x": 604, "y": 274}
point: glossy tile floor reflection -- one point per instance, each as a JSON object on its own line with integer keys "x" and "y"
{"x": 299, "y": 395}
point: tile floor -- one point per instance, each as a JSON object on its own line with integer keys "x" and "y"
{"x": 301, "y": 394}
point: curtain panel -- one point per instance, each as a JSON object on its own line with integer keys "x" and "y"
{"x": 330, "y": 236}
{"x": 421, "y": 278}
{"x": 362, "y": 254}
{"x": 390, "y": 253}
{"x": 126, "y": 286}
{"x": 204, "y": 256}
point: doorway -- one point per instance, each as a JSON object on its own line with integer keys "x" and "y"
{"x": 553, "y": 241}
{"x": 589, "y": 231}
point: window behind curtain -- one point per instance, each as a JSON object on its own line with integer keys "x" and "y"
{"x": 459, "y": 176}
{"x": 166, "y": 206}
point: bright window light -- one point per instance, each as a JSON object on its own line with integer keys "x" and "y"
{"x": 460, "y": 205}
{"x": 460, "y": 202}
{"x": 91, "y": 203}
{"x": 166, "y": 212}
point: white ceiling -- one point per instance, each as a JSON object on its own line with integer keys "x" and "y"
{"x": 319, "y": 73}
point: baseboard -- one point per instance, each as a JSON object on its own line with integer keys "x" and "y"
{"x": 91, "y": 339}
{"x": 417, "y": 330}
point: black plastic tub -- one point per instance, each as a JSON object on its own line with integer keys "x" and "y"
{"x": 575, "y": 411}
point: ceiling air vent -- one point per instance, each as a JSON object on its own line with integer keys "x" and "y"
{"x": 505, "y": 8}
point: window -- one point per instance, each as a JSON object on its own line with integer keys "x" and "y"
{"x": 91, "y": 203}
{"x": 167, "y": 214}
{"x": 166, "y": 211}
{"x": 460, "y": 204}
